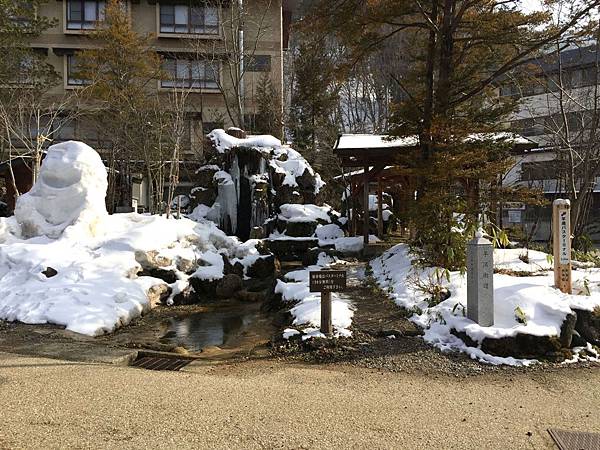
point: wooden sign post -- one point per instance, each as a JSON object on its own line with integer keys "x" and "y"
{"x": 326, "y": 282}
{"x": 561, "y": 244}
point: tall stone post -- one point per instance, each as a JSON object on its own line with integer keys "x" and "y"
{"x": 480, "y": 280}
{"x": 561, "y": 244}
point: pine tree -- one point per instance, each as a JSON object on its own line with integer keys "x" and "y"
{"x": 19, "y": 63}
{"x": 268, "y": 115}
{"x": 120, "y": 73}
{"x": 457, "y": 52}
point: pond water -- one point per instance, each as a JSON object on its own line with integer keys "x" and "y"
{"x": 228, "y": 325}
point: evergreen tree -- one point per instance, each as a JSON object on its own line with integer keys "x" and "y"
{"x": 457, "y": 53}
{"x": 119, "y": 74}
{"x": 19, "y": 63}
{"x": 312, "y": 116}
{"x": 268, "y": 115}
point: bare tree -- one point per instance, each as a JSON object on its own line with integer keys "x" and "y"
{"x": 231, "y": 56}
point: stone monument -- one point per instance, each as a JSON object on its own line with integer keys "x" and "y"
{"x": 480, "y": 280}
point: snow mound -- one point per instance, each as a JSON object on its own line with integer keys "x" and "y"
{"x": 96, "y": 288}
{"x": 307, "y": 305}
{"x": 544, "y": 307}
{"x": 304, "y": 213}
{"x": 223, "y": 141}
{"x": 69, "y": 192}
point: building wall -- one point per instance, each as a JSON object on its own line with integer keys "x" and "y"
{"x": 145, "y": 19}
{"x": 538, "y": 118}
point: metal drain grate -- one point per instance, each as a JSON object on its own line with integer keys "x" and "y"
{"x": 160, "y": 363}
{"x": 575, "y": 440}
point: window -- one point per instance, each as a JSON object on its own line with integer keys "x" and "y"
{"x": 21, "y": 12}
{"x": 73, "y": 77}
{"x": 191, "y": 73}
{"x": 84, "y": 14}
{"x": 539, "y": 170}
{"x": 187, "y": 19}
{"x": 259, "y": 63}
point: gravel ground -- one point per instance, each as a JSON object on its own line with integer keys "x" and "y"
{"x": 50, "y": 404}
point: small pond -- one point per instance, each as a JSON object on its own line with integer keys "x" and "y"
{"x": 226, "y": 325}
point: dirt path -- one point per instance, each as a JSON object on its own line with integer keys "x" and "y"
{"x": 268, "y": 404}
{"x": 375, "y": 314}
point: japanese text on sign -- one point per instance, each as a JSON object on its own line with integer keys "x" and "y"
{"x": 563, "y": 238}
{"x": 328, "y": 281}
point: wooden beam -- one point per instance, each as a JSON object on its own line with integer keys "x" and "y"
{"x": 366, "y": 206}
{"x": 379, "y": 209}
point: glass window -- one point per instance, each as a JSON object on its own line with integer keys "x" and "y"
{"x": 187, "y": 19}
{"x": 190, "y": 73}
{"x": 84, "y": 14}
{"x": 73, "y": 75}
{"x": 258, "y": 63}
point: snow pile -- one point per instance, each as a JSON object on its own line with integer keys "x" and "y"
{"x": 522, "y": 260}
{"x": 96, "y": 288}
{"x": 307, "y": 305}
{"x": 69, "y": 192}
{"x": 305, "y": 213}
{"x": 75, "y": 273}
{"x": 223, "y": 141}
{"x": 544, "y": 307}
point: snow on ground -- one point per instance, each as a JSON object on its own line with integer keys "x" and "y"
{"x": 307, "y": 308}
{"x": 545, "y": 307}
{"x": 95, "y": 288}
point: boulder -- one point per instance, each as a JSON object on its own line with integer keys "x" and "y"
{"x": 151, "y": 259}
{"x": 204, "y": 289}
{"x": 49, "y": 272}
{"x": 186, "y": 266}
{"x": 588, "y": 325}
{"x": 264, "y": 267}
{"x": 228, "y": 286}
{"x": 168, "y": 276}
{"x": 186, "y": 297}
{"x": 291, "y": 249}
{"x": 300, "y": 229}
{"x": 159, "y": 293}
{"x": 526, "y": 345}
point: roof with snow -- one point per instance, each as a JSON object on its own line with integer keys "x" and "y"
{"x": 359, "y": 150}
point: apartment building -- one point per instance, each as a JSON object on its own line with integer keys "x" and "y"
{"x": 557, "y": 100}
{"x": 179, "y": 28}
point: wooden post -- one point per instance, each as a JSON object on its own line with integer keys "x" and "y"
{"x": 366, "y": 206}
{"x": 379, "y": 209}
{"x": 561, "y": 244}
{"x": 354, "y": 224}
{"x": 326, "y": 326}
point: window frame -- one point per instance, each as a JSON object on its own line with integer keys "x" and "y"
{"x": 188, "y": 32}
{"x": 82, "y": 28}
{"x": 189, "y": 81}
{"x": 67, "y": 77}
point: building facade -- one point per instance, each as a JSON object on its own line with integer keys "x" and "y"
{"x": 199, "y": 43}
{"x": 558, "y": 110}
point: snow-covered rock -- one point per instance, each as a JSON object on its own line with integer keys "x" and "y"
{"x": 250, "y": 178}
{"x": 69, "y": 192}
{"x": 543, "y": 307}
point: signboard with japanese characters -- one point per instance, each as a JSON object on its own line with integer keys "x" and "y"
{"x": 327, "y": 281}
{"x": 561, "y": 236}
